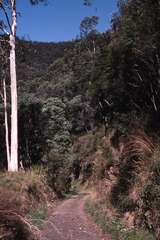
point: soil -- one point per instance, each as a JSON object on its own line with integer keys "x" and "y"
{"x": 70, "y": 222}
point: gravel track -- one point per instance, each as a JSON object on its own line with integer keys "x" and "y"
{"x": 70, "y": 222}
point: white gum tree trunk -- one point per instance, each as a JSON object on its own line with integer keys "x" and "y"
{"x": 13, "y": 164}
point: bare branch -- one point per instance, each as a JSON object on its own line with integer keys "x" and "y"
{"x": 4, "y": 30}
{"x": 140, "y": 78}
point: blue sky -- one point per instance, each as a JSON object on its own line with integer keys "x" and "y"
{"x": 60, "y": 20}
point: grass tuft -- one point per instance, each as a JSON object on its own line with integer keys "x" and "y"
{"x": 38, "y": 216}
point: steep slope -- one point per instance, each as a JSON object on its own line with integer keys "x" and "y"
{"x": 33, "y": 59}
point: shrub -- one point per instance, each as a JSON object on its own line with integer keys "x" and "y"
{"x": 114, "y": 227}
{"x": 150, "y": 197}
{"x": 58, "y": 173}
{"x": 103, "y": 161}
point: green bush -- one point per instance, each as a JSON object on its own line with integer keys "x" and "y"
{"x": 58, "y": 174}
{"x": 58, "y": 145}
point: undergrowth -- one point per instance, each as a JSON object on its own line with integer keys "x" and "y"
{"x": 114, "y": 227}
{"x": 24, "y": 198}
{"x": 38, "y": 216}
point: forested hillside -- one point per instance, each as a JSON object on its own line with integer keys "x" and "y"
{"x": 89, "y": 111}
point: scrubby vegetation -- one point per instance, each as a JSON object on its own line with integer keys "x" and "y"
{"x": 114, "y": 227}
{"x": 126, "y": 176}
{"x": 38, "y": 216}
{"x": 24, "y": 196}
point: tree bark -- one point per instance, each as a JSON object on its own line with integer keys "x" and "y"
{"x": 6, "y": 122}
{"x": 13, "y": 165}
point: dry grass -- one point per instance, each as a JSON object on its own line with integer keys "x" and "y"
{"x": 139, "y": 149}
{"x": 19, "y": 193}
{"x": 127, "y": 179}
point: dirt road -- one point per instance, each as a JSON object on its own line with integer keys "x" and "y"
{"x": 70, "y": 222}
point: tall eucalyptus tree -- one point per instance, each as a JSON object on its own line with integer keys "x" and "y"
{"x": 8, "y": 26}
